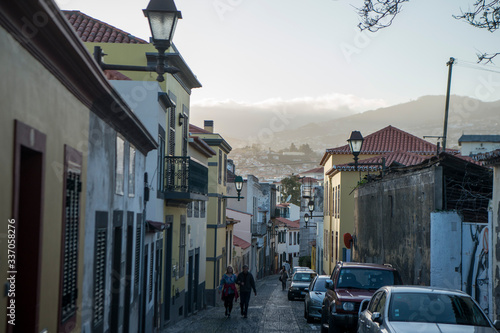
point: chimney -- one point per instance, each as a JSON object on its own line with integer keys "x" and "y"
{"x": 209, "y": 126}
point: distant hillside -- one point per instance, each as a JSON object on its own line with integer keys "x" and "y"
{"x": 421, "y": 117}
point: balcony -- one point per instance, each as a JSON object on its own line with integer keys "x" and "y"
{"x": 185, "y": 179}
{"x": 259, "y": 229}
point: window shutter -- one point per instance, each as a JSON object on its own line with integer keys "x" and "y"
{"x": 137, "y": 263}
{"x": 70, "y": 232}
{"x": 100, "y": 246}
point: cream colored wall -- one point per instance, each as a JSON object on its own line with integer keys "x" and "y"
{"x": 28, "y": 93}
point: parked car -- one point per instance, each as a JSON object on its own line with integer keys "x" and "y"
{"x": 401, "y": 309}
{"x": 298, "y": 268}
{"x": 314, "y": 297}
{"x": 349, "y": 284}
{"x": 300, "y": 281}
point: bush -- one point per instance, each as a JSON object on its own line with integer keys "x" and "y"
{"x": 305, "y": 261}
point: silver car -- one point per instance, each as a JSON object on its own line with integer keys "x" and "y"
{"x": 413, "y": 309}
{"x": 314, "y": 298}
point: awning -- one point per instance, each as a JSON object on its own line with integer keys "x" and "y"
{"x": 152, "y": 226}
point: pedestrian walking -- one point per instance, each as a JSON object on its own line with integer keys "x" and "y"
{"x": 228, "y": 290}
{"x": 283, "y": 277}
{"x": 246, "y": 283}
{"x": 287, "y": 266}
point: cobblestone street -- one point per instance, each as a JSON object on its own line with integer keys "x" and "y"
{"x": 270, "y": 311}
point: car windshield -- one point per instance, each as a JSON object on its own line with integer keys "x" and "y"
{"x": 320, "y": 285}
{"x": 365, "y": 278}
{"x": 436, "y": 308}
{"x": 304, "y": 277}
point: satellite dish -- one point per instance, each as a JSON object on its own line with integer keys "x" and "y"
{"x": 288, "y": 198}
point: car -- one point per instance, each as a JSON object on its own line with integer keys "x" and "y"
{"x": 300, "y": 281}
{"x": 401, "y": 309}
{"x": 314, "y": 298}
{"x": 350, "y": 283}
{"x": 298, "y": 268}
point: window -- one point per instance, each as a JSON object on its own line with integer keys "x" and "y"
{"x": 294, "y": 238}
{"x": 151, "y": 260}
{"x": 190, "y": 209}
{"x": 196, "y": 208}
{"x": 70, "y": 231}
{"x": 182, "y": 246}
{"x": 131, "y": 172}
{"x": 220, "y": 166}
{"x": 161, "y": 158}
{"x": 219, "y": 208}
{"x": 338, "y": 201}
{"x": 185, "y": 129}
{"x": 298, "y": 238}
{"x": 202, "y": 209}
{"x": 225, "y": 169}
{"x": 120, "y": 161}
{"x": 101, "y": 232}
{"x": 171, "y": 125}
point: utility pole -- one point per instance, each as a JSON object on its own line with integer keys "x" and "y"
{"x": 447, "y": 106}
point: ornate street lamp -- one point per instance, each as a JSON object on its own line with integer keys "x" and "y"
{"x": 162, "y": 16}
{"x": 307, "y": 217}
{"x": 238, "y": 183}
{"x": 355, "y": 144}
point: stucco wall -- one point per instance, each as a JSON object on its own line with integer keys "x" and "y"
{"x": 392, "y": 223}
{"x": 496, "y": 242}
{"x": 27, "y": 93}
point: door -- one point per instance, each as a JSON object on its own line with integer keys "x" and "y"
{"x": 116, "y": 271}
{"x": 26, "y": 225}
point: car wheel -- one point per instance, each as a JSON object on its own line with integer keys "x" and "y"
{"x": 323, "y": 320}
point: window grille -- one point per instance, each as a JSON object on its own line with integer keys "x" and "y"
{"x": 100, "y": 246}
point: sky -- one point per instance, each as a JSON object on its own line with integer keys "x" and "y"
{"x": 259, "y": 56}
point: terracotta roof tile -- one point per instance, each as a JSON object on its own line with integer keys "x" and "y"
{"x": 397, "y": 158}
{"x": 196, "y": 129}
{"x": 291, "y": 224}
{"x": 240, "y": 242}
{"x": 111, "y": 74}
{"x": 391, "y": 139}
{"x": 90, "y": 29}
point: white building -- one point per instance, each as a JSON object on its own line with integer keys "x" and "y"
{"x": 477, "y": 144}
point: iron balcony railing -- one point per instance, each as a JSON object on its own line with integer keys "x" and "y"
{"x": 184, "y": 175}
{"x": 259, "y": 228}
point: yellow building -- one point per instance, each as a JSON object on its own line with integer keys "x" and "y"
{"x": 216, "y": 209}
{"x": 341, "y": 179}
{"x": 50, "y": 92}
{"x": 172, "y": 182}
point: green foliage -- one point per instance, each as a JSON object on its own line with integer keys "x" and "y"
{"x": 291, "y": 186}
{"x": 305, "y": 261}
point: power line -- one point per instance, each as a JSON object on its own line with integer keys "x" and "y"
{"x": 481, "y": 67}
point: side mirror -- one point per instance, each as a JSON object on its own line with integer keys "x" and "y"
{"x": 329, "y": 284}
{"x": 306, "y": 289}
{"x": 363, "y": 306}
{"x": 497, "y": 324}
{"x": 377, "y": 317}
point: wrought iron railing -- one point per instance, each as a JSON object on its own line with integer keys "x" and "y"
{"x": 182, "y": 174}
{"x": 259, "y": 228}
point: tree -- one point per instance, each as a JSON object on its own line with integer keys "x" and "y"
{"x": 379, "y": 14}
{"x": 291, "y": 186}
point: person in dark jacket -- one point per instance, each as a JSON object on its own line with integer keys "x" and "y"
{"x": 283, "y": 277}
{"x": 247, "y": 283}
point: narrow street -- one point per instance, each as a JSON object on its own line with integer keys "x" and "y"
{"x": 270, "y": 311}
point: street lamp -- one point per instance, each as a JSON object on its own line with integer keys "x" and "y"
{"x": 310, "y": 206}
{"x": 162, "y": 17}
{"x": 355, "y": 143}
{"x": 238, "y": 183}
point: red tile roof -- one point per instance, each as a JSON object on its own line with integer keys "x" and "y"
{"x": 315, "y": 170}
{"x": 310, "y": 180}
{"x": 196, "y": 129}
{"x": 291, "y": 224}
{"x": 240, "y": 242}
{"x": 91, "y": 30}
{"x": 111, "y": 74}
{"x": 401, "y": 158}
{"x": 489, "y": 158}
{"x": 391, "y": 139}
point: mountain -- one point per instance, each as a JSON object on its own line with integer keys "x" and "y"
{"x": 421, "y": 117}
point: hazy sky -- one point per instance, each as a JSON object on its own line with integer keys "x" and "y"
{"x": 261, "y": 54}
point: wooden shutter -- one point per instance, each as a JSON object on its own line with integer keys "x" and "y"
{"x": 100, "y": 248}
{"x": 70, "y": 234}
